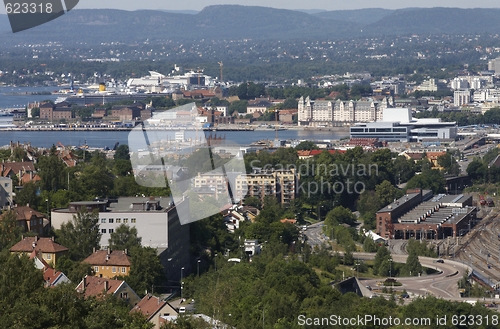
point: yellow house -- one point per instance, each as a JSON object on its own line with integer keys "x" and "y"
{"x": 47, "y": 248}
{"x": 109, "y": 263}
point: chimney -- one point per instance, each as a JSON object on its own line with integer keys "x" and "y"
{"x": 125, "y": 252}
{"x": 52, "y": 238}
{"x": 106, "y": 285}
{"x": 109, "y": 251}
{"x": 93, "y": 250}
{"x": 27, "y": 205}
{"x": 36, "y": 238}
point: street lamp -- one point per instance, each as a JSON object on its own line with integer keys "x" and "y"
{"x": 215, "y": 262}
{"x": 182, "y": 287}
{"x": 48, "y": 214}
{"x": 168, "y": 269}
{"x": 390, "y": 268}
{"x": 182, "y": 276}
{"x": 199, "y": 267}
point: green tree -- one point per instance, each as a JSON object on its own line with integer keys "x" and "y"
{"x": 19, "y": 154}
{"x": 306, "y": 145}
{"x": 252, "y": 201}
{"x": 340, "y": 215}
{"x": 146, "y": 270}
{"x": 28, "y": 195}
{"x": 51, "y": 171}
{"x": 238, "y": 106}
{"x": 124, "y": 237}
{"x": 75, "y": 271}
{"x": 413, "y": 266}
{"x": 290, "y": 103}
{"x": 122, "y": 152}
{"x": 80, "y": 235}
{"x": 381, "y": 260}
{"x": 386, "y": 193}
{"x": 10, "y": 232}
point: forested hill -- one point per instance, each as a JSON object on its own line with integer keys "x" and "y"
{"x": 252, "y": 22}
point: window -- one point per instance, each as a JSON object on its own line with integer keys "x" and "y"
{"x": 125, "y": 220}
{"x": 123, "y": 269}
{"x": 103, "y": 230}
{"x": 48, "y": 256}
{"x": 113, "y": 269}
{"x": 132, "y": 220}
{"x": 103, "y": 220}
{"x": 110, "y": 220}
{"x": 124, "y": 295}
{"x": 118, "y": 221}
{"x": 6, "y": 184}
{"x": 96, "y": 269}
{"x": 111, "y": 230}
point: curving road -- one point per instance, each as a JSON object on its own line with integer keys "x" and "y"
{"x": 443, "y": 284}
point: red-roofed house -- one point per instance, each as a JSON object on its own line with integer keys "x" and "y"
{"x": 30, "y": 177}
{"x": 153, "y": 308}
{"x": 51, "y": 276}
{"x": 93, "y": 286}
{"x": 11, "y": 169}
{"x": 286, "y": 116}
{"x": 318, "y": 152}
{"x": 28, "y": 219}
{"x": 109, "y": 264}
{"x": 47, "y": 247}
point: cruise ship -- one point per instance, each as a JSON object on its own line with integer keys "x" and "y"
{"x": 6, "y": 119}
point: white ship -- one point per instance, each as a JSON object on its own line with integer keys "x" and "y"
{"x": 6, "y": 119}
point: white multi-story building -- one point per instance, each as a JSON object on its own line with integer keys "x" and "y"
{"x": 329, "y": 112}
{"x": 156, "y": 220}
{"x": 461, "y": 97}
{"x": 459, "y": 83}
{"x": 494, "y": 65}
{"x": 261, "y": 183}
{"x": 5, "y": 192}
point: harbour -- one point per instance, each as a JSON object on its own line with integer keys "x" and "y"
{"x": 100, "y": 138}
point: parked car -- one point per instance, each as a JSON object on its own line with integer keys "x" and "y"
{"x": 182, "y": 309}
{"x": 440, "y": 261}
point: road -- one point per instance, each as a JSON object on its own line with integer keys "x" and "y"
{"x": 443, "y": 284}
{"x": 315, "y": 236}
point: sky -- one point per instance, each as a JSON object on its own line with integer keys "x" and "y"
{"x": 285, "y": 4}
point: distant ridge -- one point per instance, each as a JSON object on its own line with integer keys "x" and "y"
{"x": 253, "y": 22}
{"x": 360, "y": 16}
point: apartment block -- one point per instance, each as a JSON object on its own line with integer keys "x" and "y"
{"x": 281, "y": 184}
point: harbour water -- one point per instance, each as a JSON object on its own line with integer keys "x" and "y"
{"x": 102, "y": 139}
{"x": 14, "y": 97}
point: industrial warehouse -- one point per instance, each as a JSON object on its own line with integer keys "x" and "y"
{"x": 421, "y": 215}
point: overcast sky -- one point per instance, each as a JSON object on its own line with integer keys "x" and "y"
{"x": 287, "y": 4}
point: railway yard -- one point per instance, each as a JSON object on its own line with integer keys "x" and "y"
{"x": 480, "y": 249}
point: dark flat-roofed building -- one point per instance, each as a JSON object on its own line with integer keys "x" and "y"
{"x": 414, "y": 216}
